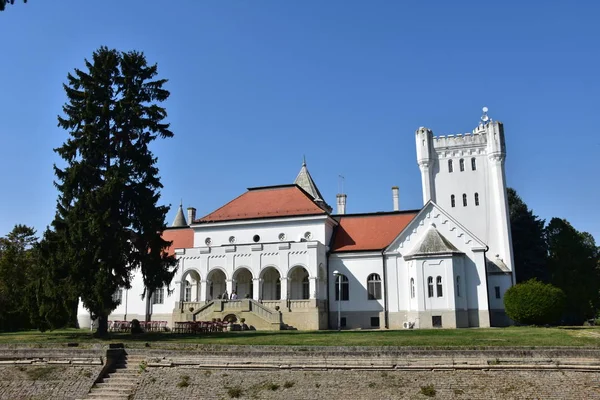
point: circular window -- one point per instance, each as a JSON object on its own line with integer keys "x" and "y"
{"x": 256, "y": 238}
{"x": 231, "y": 239}
{"x": 208, "y": 241}
{"x": 307, "y": 235}
{"x": 282, "y": 236}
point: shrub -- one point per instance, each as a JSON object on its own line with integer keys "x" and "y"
{"x": 234, "y": 392}
{"x": 534, "y": 303}
{"x": 288, "y": 384}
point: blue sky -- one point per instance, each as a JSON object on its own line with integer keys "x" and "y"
{"x": 255, "y": 85}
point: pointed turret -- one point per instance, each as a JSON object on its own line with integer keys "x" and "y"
{"x": 305, "y": 181}
{"x": 179, "y": 220}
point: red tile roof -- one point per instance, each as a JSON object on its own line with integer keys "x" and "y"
{"x": 364, "y": 232}
{"x": 182, "y": 238}
{"x": 266, "y": 202}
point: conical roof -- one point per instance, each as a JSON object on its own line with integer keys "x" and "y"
{"x": 179, "y": 220}
{"x": 433, "y": 243}
{"x": 305, "y": 181}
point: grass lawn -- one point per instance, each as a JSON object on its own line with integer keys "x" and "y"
{"x": 474, "y": 337}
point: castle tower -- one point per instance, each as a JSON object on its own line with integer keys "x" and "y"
{"x": 464, "y": 174}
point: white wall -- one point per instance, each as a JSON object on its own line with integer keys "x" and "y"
{"x": 356, "y": 267}
{"x": 268, "y": 230}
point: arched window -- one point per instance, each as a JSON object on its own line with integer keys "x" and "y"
{"x": 462, "y": 165}
{"x": 187, "y": 293}
{"x": 412, "y": 288}
{"x": 345, "y": 288}
{"x": 305, "y": 288}
{"x": 438, "y": 282}
{"x": 374, "y": 287}
{"x": 452, "y": 201}
{"x": 476, "y": 199}
{"x": 430, "y": 287}
{"x": 458, "y": 286}
{"x": 450, "y": 169}
{"x": 473, "y": 164}
{"x": 464, "y": 199}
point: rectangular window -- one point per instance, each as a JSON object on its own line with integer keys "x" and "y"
{"x": 436, "y": 321}
{"x": 345, "y": 289}
{"x": 374, "y": 290}
{"x": 374, "y": 322}
{"x": 188, "y": 293}
{"x": 343, "y": 322}
{"x": 497, "y": 289}
{"x": 159, "y": 296}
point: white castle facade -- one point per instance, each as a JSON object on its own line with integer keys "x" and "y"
{"x": 291, "y": 261}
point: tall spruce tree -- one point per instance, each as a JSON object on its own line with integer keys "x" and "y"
{"x": 573, "y": 260}
{"x": 18, "y": 257}
{"x": 3, "y": 3}
{"x": 528, "y": 240}
{"x": 108, "y": 222}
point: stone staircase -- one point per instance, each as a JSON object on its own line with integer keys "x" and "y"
{"x": 121, "y": 381}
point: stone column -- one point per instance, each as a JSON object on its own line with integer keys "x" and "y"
{"x": 284, "y": 289}
{"x": 229, "y": 286}
{"x": 202, "y": 290}
{"x": 256, "y": 288}
{"x": 312, "y": 287}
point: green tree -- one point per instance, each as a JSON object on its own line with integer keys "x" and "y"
{"x": 573, "y": 266}
{"x": 529, "y": 243}
{"x": 534, "y": 302}
{"x": 18, "y": 257}
{"x": 108, "y": 222}
{"x": 3, "y": 3}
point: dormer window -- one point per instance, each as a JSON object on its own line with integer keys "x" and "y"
{"x": 450, "y": 168}
{"x": 462, "y": 165}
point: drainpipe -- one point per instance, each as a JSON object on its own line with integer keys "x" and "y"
{"x": 487, "y": 284}
{"x": 327, "y": 291}
{"x": 385, "y": 292}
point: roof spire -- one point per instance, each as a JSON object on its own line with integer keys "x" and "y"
{"x": 179, "y": 220}
{"x": 304, "y": 160}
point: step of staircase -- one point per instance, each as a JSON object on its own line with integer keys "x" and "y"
{"x": 120, "y": 382}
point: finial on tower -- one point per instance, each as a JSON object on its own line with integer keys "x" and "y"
{"x": 485, "y": 117}
{"x": 304, "y": 160}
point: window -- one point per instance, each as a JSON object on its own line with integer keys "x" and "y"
{"x": 374, "y": 287}
{"x": 458, "y": 286}
{"x": 476, "y": 199}
{"x": 412, "y": 288}
{"x": 187, "y": 293}
{"x": 430, "y": 287}
{"x": 342, "y": 322}
{"x": 305, "y": 288}
{"x": 452, "y": 201}
{"x": 450, "y": 169}
{"x": 438, "y": 282}
{"x": 497, "y": 289}
{"x": 464, "y": 199}
{"x": 118, "y": 296}
{"x": 345, "y": 288}
{"x": 159, "y": 296}
{"x": 473, "y": 164}
{"x": 374, "y": 322}
{"x": 256, "y": 238}
{"x": 436, "y": 321}
{"x": 462, "y": 165}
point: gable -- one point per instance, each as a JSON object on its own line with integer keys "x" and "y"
{"x": 458, "y": 236}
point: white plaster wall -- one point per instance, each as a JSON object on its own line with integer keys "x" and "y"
{"x": 268, "y": 230}
{"x": 357, "y": 267}
{"x": 504, "y": 281}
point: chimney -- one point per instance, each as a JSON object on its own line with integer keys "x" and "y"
{"x": 396, "y": 198}
{"x": 341, "y": 203}
{"x": 191, "y": 211}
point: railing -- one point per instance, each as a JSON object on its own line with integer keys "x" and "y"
{"x": 301, "y": 304}
{"x": 264, "y": 312}
{"x": 270, "y": 303}
{"x": 204, "y": 310}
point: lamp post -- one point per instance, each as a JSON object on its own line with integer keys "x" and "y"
{"x": 338, "y": 276}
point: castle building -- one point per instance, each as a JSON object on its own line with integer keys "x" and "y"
{"x": 294, "y": 263}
